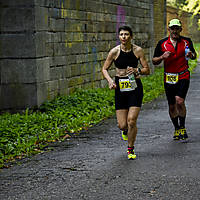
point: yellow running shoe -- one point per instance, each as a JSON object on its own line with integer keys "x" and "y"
{"x": 183, "y": 134}
{"x": 131, "y": 154}
{"x": 124, "y": 135}
{"x": 177, "y": 134}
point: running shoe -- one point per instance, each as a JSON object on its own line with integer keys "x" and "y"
{"x": 183, "y": 133}
{"x": 124, "y": 135}
{"x": 177, "y": 134}
{"x": 131, "y": 154}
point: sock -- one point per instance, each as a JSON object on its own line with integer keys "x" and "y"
{"x": 175, "y": 122}
{"x": 125, "y": 132}
{"x": 182, "y": 121}
{"x": 130, "y": 149}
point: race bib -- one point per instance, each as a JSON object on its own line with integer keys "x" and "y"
{"x": 171, "y": 78}
{"x": 125, "y": 85}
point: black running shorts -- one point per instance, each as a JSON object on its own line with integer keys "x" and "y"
{"x": 126, "y": 99}
{"x": 179, "y": 89}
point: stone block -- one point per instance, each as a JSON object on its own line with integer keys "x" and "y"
{"x": 57, "y": 37}
{"x": 56, "y": 73}
{"x": 55, "y": 13}
{"x": 59, "y": 60}
{"x": 74, "y": 4}
{"x": 71, "y": 59}
{"x": 41, "y": 18}
{"x": 80, "y": 58}
{"x": 59, "y": 25}
{"x": 78, "y": 48}
{"x": 74, "y": 81}
{"x": 52, "y": 24}
{"x": 20, "y": 45}
{"x": 40, "y": 44}
{"x": 49, "y": 37}
{"x": 18, "y": 96}
{"x": 87, "y": 78}
{"x": 67, "y": 37}
{"x": 19, "y": 3}
{"x": 88, "y": 68}
{"x": 59, "y": 49}
{"x": 49, "y": 49}
{"x": 83, "y": 69}
{"x": 42, "y": 93}
{"x": 53, "y": 85}
{"x": 75, "y": 70}
{"x": 63, "y": 86}
{"x": 67, "y": 71}
{"x": 42, "y": 69}
{"x": 17, "y": 19}
{"x": 87, "y": 85}
{"x": 15, "y": 71}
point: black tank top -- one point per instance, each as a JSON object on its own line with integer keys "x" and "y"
{"x": 126, "y": 59}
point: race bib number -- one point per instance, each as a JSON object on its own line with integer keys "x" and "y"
{"x": 125, "y": 85}
{"x": 171, "y": 78}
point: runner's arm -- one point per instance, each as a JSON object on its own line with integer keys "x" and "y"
{"x": 159, "y": 59}
{"x": 192, "y": 53}
{"x": 159, "y": 56}
{"x": 106, "y": 66}
{"x": 145, "y": 67}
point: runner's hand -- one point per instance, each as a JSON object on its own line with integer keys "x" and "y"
{"x": 189, "y": 54}
{"x": 166, "y": 55}
{"x": 112, "y": 85}
{"x": 131, "y": 70}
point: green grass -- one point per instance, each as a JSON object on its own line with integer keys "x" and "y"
{"x": 153, "y": 85}
{"x": 27, "y": 134}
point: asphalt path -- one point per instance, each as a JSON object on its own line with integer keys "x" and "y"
{"x": 94, "y": 165}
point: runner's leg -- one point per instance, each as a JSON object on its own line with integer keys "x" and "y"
{"x": 181, "y": 110}
{"x": 122, "y": 115}
{"x": 132, "y": 125}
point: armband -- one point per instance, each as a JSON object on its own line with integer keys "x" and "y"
{"x": 193, "y": 55}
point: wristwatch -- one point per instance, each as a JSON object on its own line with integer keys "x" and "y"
{"x": 139, "y": 71}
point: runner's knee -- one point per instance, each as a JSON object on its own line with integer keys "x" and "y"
{"x": 122, "y": 126}
{"x": 172, "y": 108}
{"x": 131, "y": 123}
{"x": 180, "y": 101}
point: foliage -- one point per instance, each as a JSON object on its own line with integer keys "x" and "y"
{"x": 153, "y": 85}
{"x": 177, "y": 3}
{"x": 192, "y": 6}
{"x": 193, "y": 63}
{"x": 28, "y": 133}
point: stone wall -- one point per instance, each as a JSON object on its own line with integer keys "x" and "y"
{"x": 51, "y": 47}
{"x": 159, "y": 20}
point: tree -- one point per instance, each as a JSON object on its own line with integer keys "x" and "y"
{"x": 177, "y": 3}
{"x": 192, "y": 6}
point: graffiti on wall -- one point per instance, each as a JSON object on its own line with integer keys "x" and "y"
{"x": 121, "y": 15}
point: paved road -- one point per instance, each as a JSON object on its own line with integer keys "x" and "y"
{"x": 94, "y": 166}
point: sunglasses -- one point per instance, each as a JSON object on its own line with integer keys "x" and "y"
{"x": 175, "y": 28}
